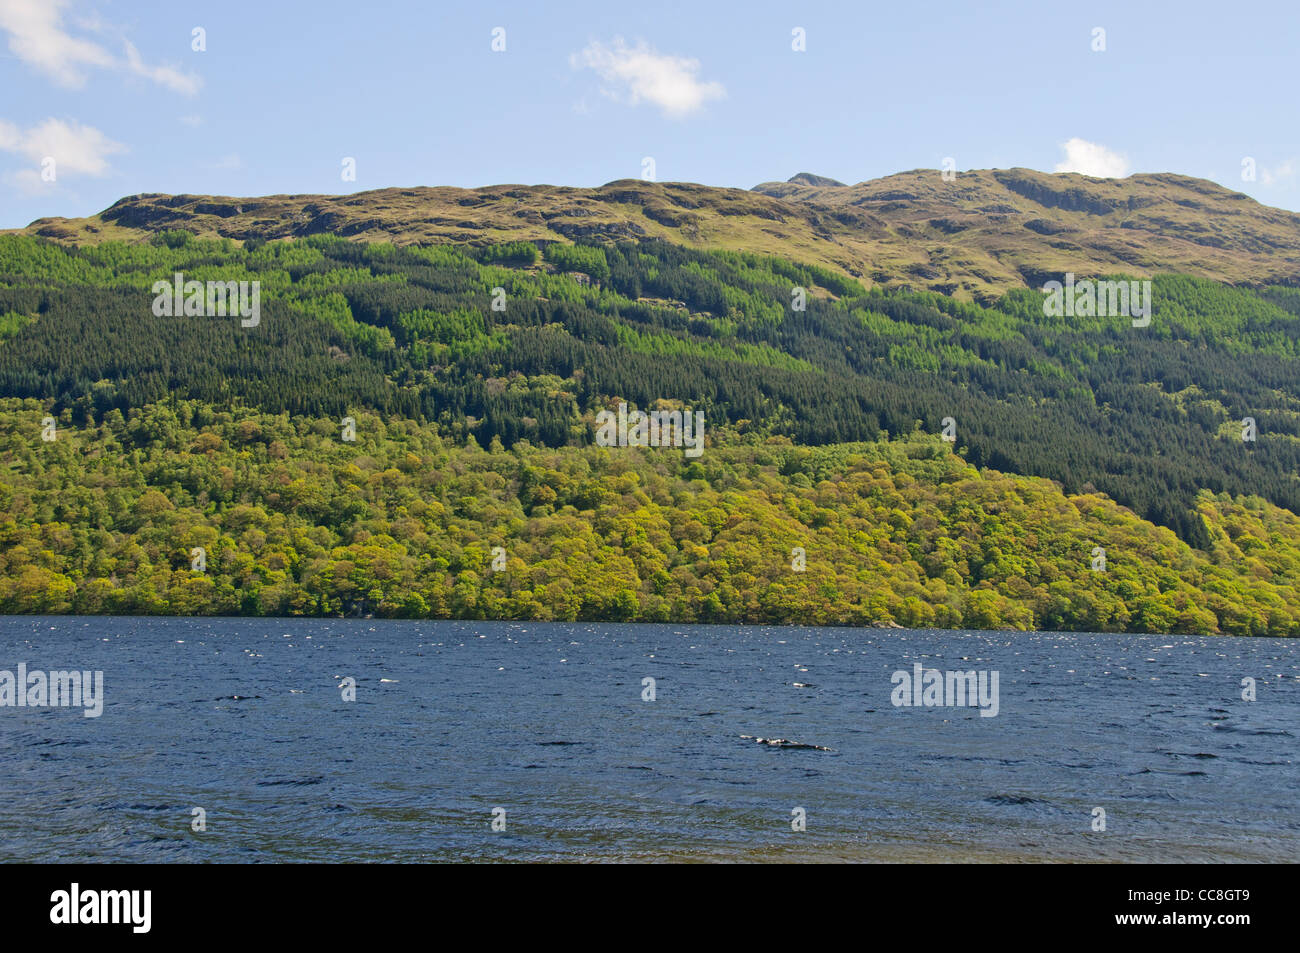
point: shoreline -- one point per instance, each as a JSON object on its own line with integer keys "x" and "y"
{"x": 638, "y": 624}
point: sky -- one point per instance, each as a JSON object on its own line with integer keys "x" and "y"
{"x": 99, "y": 99}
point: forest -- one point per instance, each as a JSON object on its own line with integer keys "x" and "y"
{"x": 473, "y": 376}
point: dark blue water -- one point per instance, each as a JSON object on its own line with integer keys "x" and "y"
{"x": 244, "y": 718}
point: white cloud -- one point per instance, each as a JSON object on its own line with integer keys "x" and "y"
{"x": 1089, "y": 158}
{"x": 27, "y": 181}
{"x": 173, "y": 79}
{"x": 639, "y": 74}
{"x": 1279, "y": 173}
{"x": 75, "y": 149}
{"x": 38, "y": 37}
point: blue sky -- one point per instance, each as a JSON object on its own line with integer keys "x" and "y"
{"x": 115, "y": 94}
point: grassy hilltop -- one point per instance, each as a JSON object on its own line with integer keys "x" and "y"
{"x": 977, "y": 236}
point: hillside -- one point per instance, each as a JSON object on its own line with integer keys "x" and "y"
{"x": 404, "y": 524}
{"x": 975, "y": 238}
{"x": 1149, "y": 416}
{"x": 475, "y": 366}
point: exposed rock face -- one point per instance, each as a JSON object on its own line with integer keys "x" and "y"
{"x": 807, "y": 178}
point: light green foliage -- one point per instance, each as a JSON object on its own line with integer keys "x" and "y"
{"x": 401, "y": 523}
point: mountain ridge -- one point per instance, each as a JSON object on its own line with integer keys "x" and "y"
{"x": 976, "y": 236}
